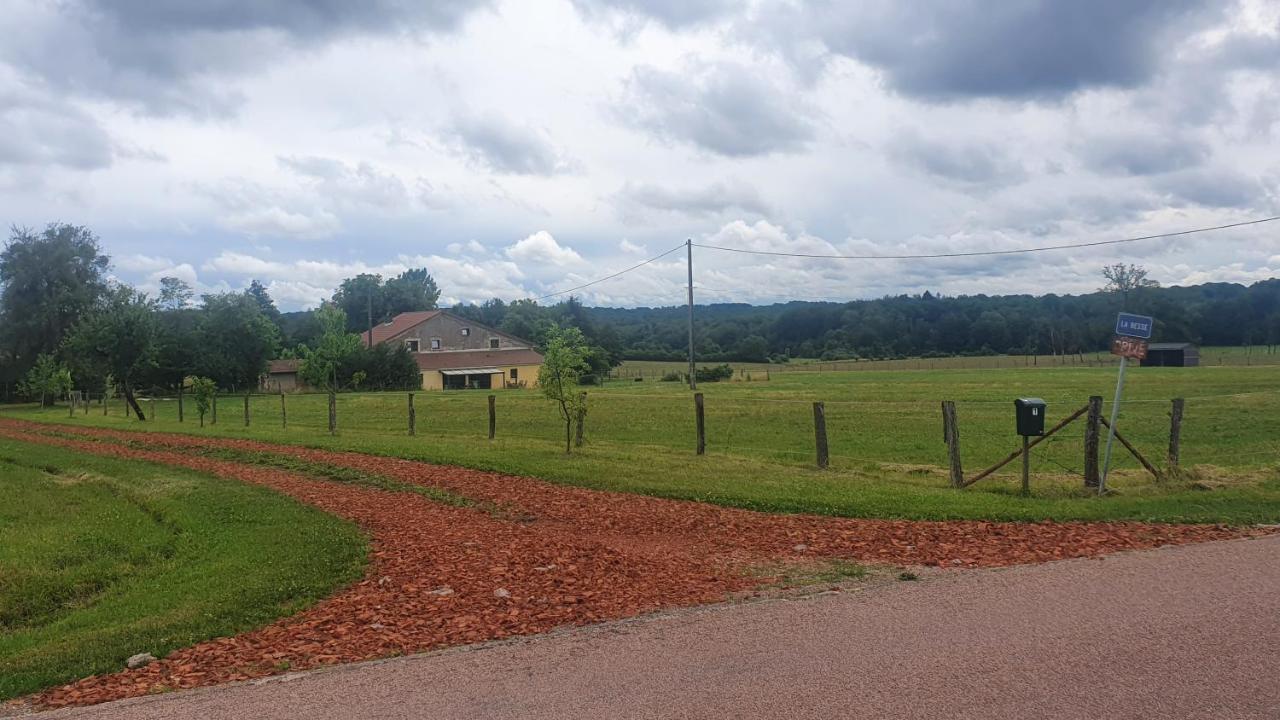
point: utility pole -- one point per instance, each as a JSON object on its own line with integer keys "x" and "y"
{"x": 369, "y": 308}
{"x": 693, "y": 376}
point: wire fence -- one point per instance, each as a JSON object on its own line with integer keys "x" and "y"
{"x": 1236, "y": 430}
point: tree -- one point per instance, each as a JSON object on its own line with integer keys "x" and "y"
{"x": 48, "y": 379}
{"x": 234, "y": 340}
{"x": 411, "y": 290}
{"x": 1126, "y": 280}
{"x": 203, "y": 389}
{"x": 118, "y": 339}
{"x": 258, "y": 292}
{"x": 48, "y": 281}
{"x": 365, "y": 297}
{"x": 175, "y": 294}
{"x": 319, "y": 367}
{"x": 563, "y": 362}
{"x": 361, "y": 300}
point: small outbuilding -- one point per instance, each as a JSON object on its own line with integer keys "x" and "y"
{"x": 1176, "y": 354}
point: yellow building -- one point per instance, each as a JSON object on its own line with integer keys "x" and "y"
{"x": 454, "y": 353}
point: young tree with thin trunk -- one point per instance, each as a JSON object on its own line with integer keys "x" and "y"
{"x": 564, "y": 360}
{"x": 118, "y": 338}
{"x": 203, "y": 390}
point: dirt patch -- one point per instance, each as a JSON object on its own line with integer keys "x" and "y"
{"x": 447, "y": 574}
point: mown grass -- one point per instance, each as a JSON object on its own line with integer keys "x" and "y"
{"x": 884, "y": 431}
{"x": 101, "y": 559}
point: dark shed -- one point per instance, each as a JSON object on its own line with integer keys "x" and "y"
{"x": 1172, "y": 355}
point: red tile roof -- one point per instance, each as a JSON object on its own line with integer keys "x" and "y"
{"x": 397, "y": 325}
{"x": 458, "y": 359}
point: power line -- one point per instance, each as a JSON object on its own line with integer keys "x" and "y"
{"x": 981, "y": 253}
{"x": 610, "y": 277}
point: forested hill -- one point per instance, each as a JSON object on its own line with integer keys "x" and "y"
{"x": 1210, "y": 314}
{"x": 915, "y": 325}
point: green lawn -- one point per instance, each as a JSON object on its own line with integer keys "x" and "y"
{"x": 101, "y": 559}
{"x": 884, "y": 430}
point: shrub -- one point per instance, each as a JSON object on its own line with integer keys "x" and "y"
{"x": 714, "y": 374}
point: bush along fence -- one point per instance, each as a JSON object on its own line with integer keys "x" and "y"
{"x": 256, "y": 410}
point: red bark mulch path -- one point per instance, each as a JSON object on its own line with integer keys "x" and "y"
{"x": 441, "y": 575}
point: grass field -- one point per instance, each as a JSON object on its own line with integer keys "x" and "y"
{"x": 1209, "y": 357}
{"x": 101, "y": 559}
{"x": 884, "y": 430}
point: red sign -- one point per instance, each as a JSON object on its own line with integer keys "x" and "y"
{"x": 1133, "y": 348}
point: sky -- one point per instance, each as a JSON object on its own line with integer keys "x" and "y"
{"x": 517, "y": 149}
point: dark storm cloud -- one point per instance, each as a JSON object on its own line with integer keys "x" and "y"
{"x": 1143, "y": 153}
{"x": 1011, "y": 48}
{"x": 727, "y": 109}
{"x": 491, "y": 141}
{"x": 165, "y": 57}
{"x": 962, "y": 162}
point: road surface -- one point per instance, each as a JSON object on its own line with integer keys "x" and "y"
{"x": 1181, "y": 632}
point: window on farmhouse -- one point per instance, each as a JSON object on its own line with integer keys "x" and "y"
{"x": 435, "y": 343}
{"x": 515, "y": 373}
{"x": 466, "y": 332}
{"x": 411, "y": 345}
{"x": 493, "y": 343}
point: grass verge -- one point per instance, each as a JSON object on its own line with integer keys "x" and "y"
{"x": 101, "y": 559}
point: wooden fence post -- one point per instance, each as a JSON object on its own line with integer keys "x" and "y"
{"x": 1026, "y": 466}
{"x": 1175, "y": 436}
{"x": 333, "y": 413}
{"x": 951, "y": 436}
{"x": 153, "y": 410}
{"x": 582, "y": 418}
{"x": 127, "y": 409}
{"x": 820, "y": 433}
{"x": 213, "y": 406}
{"x": 413, "y": 417}
{"x": 1092, "y": 423}
{"x": 71, "y": 404}
{"x": 700, "y": 416}
{"x": 284, "y": 412}
{"x": 180, "y": 415}
{"x": 493, "y": 416}
{"x": 88, "y": 400}
{"x": 105, "y": 404}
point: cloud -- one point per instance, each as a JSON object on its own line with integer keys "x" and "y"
{"x": 1214, "y": 187}
{"x": 275, "y": 221}
{"x": 1012, "y": 49}
{"x": 173, "y": 57}
{"x": 489, "y": 140}
{"x": 361, "y": 184}
{"x": 961, "y": 161}
{"x": 306, "y": 283}
{"x": 674, "y": 14}
{"x": 541, "y": 249}
{"x": 1146, "y": 152}
{"x": 635, "y": 200}
{"x": 42, "y": 131}
{"x": 724, "y": 108}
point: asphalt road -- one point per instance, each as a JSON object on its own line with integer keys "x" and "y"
{"x": 1183, "y": 632}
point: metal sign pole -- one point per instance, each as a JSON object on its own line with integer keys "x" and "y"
{"x": 1111, "y": 431}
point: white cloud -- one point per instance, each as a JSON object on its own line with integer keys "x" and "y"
{"x": 541, "y": 249}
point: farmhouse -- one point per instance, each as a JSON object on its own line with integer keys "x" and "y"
{"x": 455, "y": 353}
{"x": 452, "y": 352}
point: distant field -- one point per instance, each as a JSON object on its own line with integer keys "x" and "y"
{"x": 884, "y": 430}
{"x": 1211, "y": 356}
{"x": 101, "y": 559}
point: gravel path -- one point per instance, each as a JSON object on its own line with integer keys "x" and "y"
{"x": 1179, "y": 632}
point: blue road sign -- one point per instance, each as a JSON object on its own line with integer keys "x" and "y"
{"x": 1136, "y": 326}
